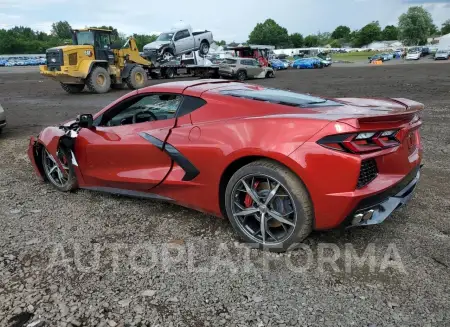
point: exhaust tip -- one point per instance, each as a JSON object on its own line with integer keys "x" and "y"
{"x": 362, "y": 217}
{"x": 357, "y": 218}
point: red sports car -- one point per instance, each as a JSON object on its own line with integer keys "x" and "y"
{"x": 277, "y": 164}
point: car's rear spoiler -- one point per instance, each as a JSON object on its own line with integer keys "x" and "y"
{"x": 412, "y": 108}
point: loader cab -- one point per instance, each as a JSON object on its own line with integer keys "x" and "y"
{"x": 100, "y": 39}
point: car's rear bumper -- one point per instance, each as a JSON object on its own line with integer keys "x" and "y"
{"x": 377, "y": 208}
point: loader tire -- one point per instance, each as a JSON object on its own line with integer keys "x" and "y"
{"x": 137, "y": 78}
{"x": 98, "y": 80}
{"x": 72, "y": 88}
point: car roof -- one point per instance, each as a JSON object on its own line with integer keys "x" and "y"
{"x": 194, "y": 88}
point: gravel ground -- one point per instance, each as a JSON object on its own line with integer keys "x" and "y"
{"x": 90, "y": 259}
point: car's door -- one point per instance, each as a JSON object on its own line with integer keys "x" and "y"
{"x": 183, "y": 40}
{"x": 247, "y": 65}
{"x": 255, "y": 68}
{"x": 125, "y": 148}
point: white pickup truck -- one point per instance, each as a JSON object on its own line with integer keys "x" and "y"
{"x": 180, "y": 40}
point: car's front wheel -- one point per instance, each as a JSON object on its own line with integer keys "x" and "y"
{"x": 241, "y": 75}
{"x": 269, "y": 206}
{"x": 63, "y": 179}
{"x": 270, "y": 74}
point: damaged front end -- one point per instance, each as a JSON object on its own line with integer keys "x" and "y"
{"x": 53, "y": 139}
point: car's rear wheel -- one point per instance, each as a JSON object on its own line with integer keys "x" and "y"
{"x": 270, "y": 74}
{"x": 269, "y": 206}
{"x": 242, "y": 75}
{"x": 64, "y": 180}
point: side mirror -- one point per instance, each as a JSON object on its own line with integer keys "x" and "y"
{"x": 85, "y": 121}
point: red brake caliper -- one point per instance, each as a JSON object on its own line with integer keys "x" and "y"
{"x": 248, "y": 201}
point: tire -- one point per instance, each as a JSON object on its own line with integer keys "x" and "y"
{"x": 270, "y": 75}
{"x": 241, "y": 75}
{"x": 170, "y": 73}
{"x": 71, "y": 183}
{"x": 289, "y": 183}
{"x": 98, "y": 80}
{"x": 167, "y": 54}
{"x": 137, "y": 78}
{"x": 204, "y": 48}
{"x": 72, "y": 88}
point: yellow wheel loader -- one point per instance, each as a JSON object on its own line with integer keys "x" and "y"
{"x": 92, "y": 61}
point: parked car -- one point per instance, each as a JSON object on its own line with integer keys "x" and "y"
{"x": 304, "y": 63}
{"x": 413, "y": 55}
{"x": 263, "y": 158}
{"x": 277, "y": 64}
{"x": 442, "y": 54}
{"x": 425, "y": 51}
{"x": 388, "y": 56}
{"x": 325, "y": 63}
{"x": 244, "y": 68}
{"x": 2, "y": 118}
{"x": 286, "y": 63}
{"x": 377, "y": 57}
{"x": 178, "y": 41}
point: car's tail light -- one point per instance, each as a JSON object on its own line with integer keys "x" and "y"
{"x": 361, "y": 142}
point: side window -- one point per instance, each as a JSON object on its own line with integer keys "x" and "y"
{"x": 181, "y": 35}
{"x": 190, "y": 104}
{"x": 148, "y": 108}
{"x": 102, "y": 40}
{"x": 255, "y": 63}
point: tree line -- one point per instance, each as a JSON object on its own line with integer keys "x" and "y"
{"x": 23, "y": 40}
{"x": 414, "y": 27}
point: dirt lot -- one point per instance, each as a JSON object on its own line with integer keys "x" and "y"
{"x": 101, "y": 260}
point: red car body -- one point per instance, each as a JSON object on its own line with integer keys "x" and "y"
{"x": 189, "y": 159}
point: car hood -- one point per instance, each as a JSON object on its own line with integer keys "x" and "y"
{"x": 156, "y": 45}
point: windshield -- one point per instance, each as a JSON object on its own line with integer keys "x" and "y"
{"x": 441, "y": 51}
{"x": 165, "y": 37}
{"x": 85, "y": 38}
{"x": 277, "y": 96}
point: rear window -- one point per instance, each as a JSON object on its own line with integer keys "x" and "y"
{"x": 279, "y": 97}
{"x": 230, "y": 61}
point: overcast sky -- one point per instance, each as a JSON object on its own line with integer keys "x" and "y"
{"x": 231, "y": 20}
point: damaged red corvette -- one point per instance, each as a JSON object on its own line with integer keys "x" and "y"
{"x": 276, "y": 163}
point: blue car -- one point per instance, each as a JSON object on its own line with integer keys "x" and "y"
{"x": 277, "y": 64}
{"x": 307, "y": 63}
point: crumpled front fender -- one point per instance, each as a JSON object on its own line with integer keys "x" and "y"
{"x": 51, "y": 138}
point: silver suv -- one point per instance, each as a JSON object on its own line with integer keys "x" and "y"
{"x": 243, "y": 68}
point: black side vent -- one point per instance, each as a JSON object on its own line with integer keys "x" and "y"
{"x": 368, "y": 173}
